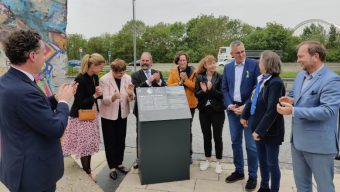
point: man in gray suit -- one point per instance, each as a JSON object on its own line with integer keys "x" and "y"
{"x": 314, "y": 105}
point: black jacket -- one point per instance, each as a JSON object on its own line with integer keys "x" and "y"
{"x": 266, "y": 121}
{"x": 138, "y": 79}
{"x": 83, "y": 98}
{"x": 214, "y": 95}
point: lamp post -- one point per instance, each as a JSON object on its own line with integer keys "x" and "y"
{"x": 80, "y": 53}
{"x": 134, "y": 35}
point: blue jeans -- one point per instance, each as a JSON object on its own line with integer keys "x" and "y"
{"x": 269, "y": 165}
{"x": 236, "y": 130}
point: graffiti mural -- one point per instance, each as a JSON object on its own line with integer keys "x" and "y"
{"x": 49, "y": 18}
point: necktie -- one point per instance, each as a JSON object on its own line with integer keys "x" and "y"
{"x": 147, "y": 73}
{"x": 257, "y": 91}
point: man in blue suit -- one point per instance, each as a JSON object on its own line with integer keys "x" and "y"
{"x": 239, "y": 80}
{"x": 31, "y": 124}
{"x": 314, "y": 104}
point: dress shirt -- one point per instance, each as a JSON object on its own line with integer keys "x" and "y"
{"x": 238, "y": 79}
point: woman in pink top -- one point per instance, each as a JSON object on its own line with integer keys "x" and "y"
{"x": 117, "y": 93}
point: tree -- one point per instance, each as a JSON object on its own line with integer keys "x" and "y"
{"x": 74, "y": 43}
{"x": 332, "y": 38}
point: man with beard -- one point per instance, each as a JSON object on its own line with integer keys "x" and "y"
{"x": 145, "y": 77}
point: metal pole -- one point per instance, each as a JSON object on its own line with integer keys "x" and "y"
{"x": 134, "y": 35}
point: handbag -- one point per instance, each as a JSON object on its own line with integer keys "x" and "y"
{"x": 87, "y": 114}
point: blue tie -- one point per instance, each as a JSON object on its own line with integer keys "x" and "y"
{"x": 257, "y": 90}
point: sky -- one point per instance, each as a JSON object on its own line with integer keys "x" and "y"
{"x": 93, "y": 18}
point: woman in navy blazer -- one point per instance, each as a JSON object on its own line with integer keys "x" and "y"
{"x": 266, "y": 124}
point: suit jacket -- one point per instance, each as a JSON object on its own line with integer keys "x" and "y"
{"x": 214, "y": 95}
{"x": 249, "y": 79}
{"x": 266, "y": 121}
{"x": 83, "y": 99}
{"x": 139, "y": 80}
{"x": 31, "y": 125}
{"x": 315, "y": 113}
{"x": 109, "y": 109}
{"x": 189, "y": 85}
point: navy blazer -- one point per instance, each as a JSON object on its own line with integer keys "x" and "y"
{"x": 138, "y": 79}
{"x": 249, "y": 79}
{"x": 31, "y": 125}
{"x": 266, "y": 121}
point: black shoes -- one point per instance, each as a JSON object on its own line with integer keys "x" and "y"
{"x": 122, "y": 169}
{"x": 235, "y": 176}
{"x": 114, "y": 175}
{"x": 263, "y": 190}
{"x": 135, "y": 166}
{"x": 251, "y": 184}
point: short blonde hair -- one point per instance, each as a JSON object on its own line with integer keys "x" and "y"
{"x": 271, "y": 62}
{"x": 207, "y": 59}
{"x": 88, "y": 60}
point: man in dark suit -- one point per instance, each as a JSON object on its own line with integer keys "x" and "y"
{"x": 145, "y": 77}
{"x": 31, "y": 124}
{"x": 239, "y": 80}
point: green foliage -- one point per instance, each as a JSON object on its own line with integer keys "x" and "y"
{"x": 201, "y": 36}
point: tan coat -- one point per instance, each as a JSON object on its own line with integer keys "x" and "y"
{"x": 174, "y": 79}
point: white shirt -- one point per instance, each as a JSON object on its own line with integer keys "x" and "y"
{"x": 238, "y": 79}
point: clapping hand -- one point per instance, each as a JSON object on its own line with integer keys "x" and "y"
{"x": 203, "y": 87}
{"x": 129, "y": 89}
{"x": 116, "y": 95}
{"x": 183, "y": 76}
{"x": 209, "y": 85}
{"x": 157, "y": 76}
{"x": 99, "y": 92}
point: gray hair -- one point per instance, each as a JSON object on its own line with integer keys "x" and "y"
{"x": 272, "y": 62}
{"x": 235, "y": 44}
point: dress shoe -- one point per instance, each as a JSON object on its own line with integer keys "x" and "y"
{"x": 122, "y": 169}
{"x": 235, "y": 176}
{"x": 263, "y": 189}
{"x": 114, "y": 175}
{"x": 251, "y": 184}
{"x": 135, "y": 166}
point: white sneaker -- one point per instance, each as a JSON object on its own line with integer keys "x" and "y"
{"x": 204, "y": 165}
{"x": 218, "y": 168}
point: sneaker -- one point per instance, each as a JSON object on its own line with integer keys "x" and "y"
{"x": 251, "y": 184}
{"x": 218, "y": 168}
{"x": 235, "y": 176}
{"x": 204, "y": 165}
{"x": 263, "y": 190}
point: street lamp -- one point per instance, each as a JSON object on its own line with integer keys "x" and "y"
{"x": 80, "y": 53}
{"x": 134, "y": 34}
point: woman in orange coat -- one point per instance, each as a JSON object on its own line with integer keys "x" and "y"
{"x": 185, "y": 75}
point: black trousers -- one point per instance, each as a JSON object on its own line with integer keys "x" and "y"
{"x": 209, "y": 117}
{"x": 114, "y": 134}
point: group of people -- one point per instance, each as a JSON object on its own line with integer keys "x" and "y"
{"x": 251, "y": 92}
